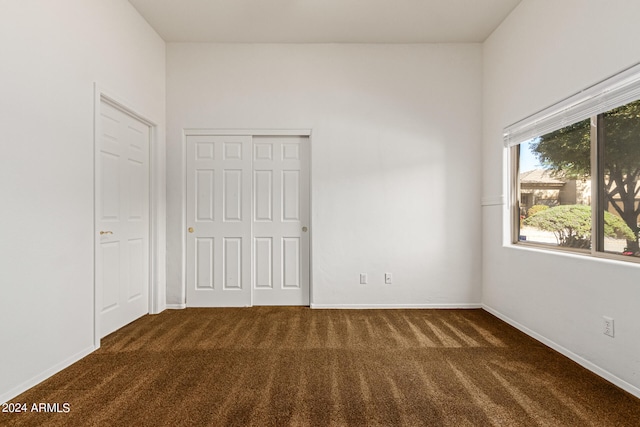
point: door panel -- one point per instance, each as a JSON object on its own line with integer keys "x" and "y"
{"x": 232, "y": 195}
{"x": 204, "y": 189}
{"x": 263, "y": 262}
{"x": 281, "y": 247}
{"x": 122, "y": 218}
{"x": 218, "y": 212}
{"x": 232, "y": 263}
{"x": 204, "y": 262}
{"x": 137, "y": 266}
{"x": 263, "y": 195}
{"x": 291, "y": 262}
{"x": 110, "y": 257}
{"x": 291, "y": 195}
{"x": 109, "y": 209}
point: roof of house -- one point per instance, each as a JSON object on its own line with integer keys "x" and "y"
{"x": 541, "y": 176}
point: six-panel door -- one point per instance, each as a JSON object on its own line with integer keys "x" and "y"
{"x": 281, "y": 220}
{"x": 218, "y": 221}
{"x": 122, "y": 218}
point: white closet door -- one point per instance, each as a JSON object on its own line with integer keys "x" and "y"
{"x": 280, "y": 220}
{"x": 122, "y": 218}
{"x": 218, "y": 221}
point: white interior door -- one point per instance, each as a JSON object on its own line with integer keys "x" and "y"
{"x": 247, "y": 221}
{"x": 281, "y": 220}
{"x": 218, "y": 221}
{"x": 122, "y": 218}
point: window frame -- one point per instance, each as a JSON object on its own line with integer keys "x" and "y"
{"x": 613, "y": 92}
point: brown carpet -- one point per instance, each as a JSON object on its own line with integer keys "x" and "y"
{"x": 296, "y": 366}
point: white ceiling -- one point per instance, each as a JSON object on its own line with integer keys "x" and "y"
{"x": 325, "y": 21}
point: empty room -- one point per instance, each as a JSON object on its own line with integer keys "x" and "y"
{"x": 291, "y": 212}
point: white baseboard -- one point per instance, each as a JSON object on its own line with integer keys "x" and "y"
{"x": 32, "y": 382}
{"x": 568, "y": 353}
{"x": 394, "y": 306}
{"x": 176, "y": 306}
{"x": 159, "y": 308}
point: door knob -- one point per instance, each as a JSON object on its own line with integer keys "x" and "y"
{"x": 106, "y": 232}
{"x": 304, "y": 229}
{"x": 190, "y": 229}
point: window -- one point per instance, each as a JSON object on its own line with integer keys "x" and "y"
{"x": 555, "y": 188}
{"x": 618, "y": 142}
{"x": 575, "y": 172}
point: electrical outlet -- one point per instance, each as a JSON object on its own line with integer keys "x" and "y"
{"x": 608, "y": 326}
{"x": 387, "y": 278}
{"x": 363, "y": 278}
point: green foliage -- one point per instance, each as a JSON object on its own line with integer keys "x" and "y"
{"x": 615, "y": 227}
{"x": 571, "y": 224}
{"x": 622, "y": 140}
{"x": 567, "y": 152}
{"x": 536, "y": 208}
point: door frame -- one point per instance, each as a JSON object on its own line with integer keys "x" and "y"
{"x": 238, "y": 132}
{"x": 156, "y": 264}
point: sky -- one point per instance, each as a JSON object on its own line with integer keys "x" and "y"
{"x": 528, "y": 161}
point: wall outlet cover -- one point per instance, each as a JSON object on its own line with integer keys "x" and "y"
{"x": 608, "y": 326}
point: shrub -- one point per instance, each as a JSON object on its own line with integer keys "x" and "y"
{"x": 571, "y": 224}
{"x": 536, "y": 208}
